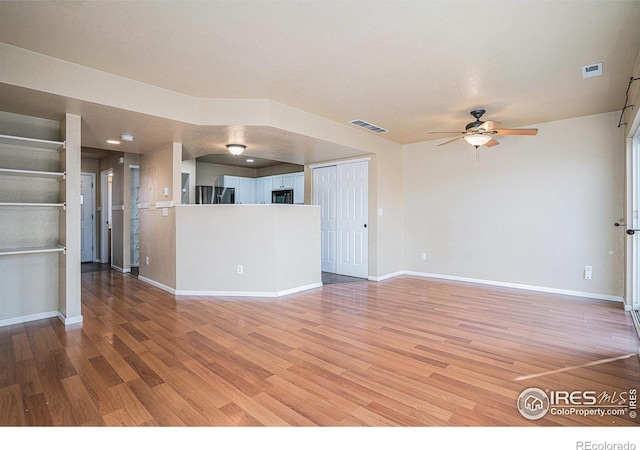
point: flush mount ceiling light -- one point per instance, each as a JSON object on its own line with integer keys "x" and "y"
{"x": 236, "y": 149}
{"x": 127, "y": 138}
{"x": 477, "y": 140}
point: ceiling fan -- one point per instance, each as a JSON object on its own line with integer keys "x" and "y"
{"x": 481, "y": 132}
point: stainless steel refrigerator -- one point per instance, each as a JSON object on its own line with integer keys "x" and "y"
{"x": 208, "y": 195}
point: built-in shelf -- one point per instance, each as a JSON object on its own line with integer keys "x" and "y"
{"x": 38, "y": 205}
{"x": 31, "y": 142}
{"x": 32, "y": 173}
{"x": 32, "y": 250}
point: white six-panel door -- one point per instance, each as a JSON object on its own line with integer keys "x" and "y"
{"x": 341, "y": 191}
{"x": 324, "y": 195}
{"x": 353, "y": 236}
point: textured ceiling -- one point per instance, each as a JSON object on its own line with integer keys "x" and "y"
{"x": 408, "y": 66}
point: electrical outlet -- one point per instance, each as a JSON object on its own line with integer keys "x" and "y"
{"x": 423, "y": 256}
{"x": 240, "y": 269}
{"x": 588, "y": 272}
{"x": 147, "y": 260}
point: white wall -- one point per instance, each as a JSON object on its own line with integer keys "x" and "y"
{"x": 531, "y": 211}
{"x": 277, "y": 245}
{"x": 207, "y": 174}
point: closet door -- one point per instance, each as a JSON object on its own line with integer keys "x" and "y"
{"x": 324, "y": 195}
{"x": 351, "y": 221}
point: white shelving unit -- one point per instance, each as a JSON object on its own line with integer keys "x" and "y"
{"x": 33, "y": 143}
{"x": 32, "y": 173}
{"x": 29, "y": 196}
{"x": 31, "y": 250}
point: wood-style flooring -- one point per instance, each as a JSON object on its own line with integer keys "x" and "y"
{"x": 402, "y": 352}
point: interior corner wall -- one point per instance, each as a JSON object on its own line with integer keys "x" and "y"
{"x": 533, "y": 211}
{"x": 159, "y": 169}
{"x": 386, "y": 208}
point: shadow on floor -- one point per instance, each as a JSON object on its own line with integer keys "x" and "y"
{"x": 94, "y": 267}
{"x": 334, "y": 278}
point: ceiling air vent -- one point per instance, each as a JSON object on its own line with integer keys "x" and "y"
{"x": 368, "y": 126}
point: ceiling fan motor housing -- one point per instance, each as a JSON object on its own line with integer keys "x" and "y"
{"x": 477, "y": 113}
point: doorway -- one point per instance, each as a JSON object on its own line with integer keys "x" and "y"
{"x": 342, "y": 192}
{"x": 87, "y": 217}
{"x": 106, "y": 200}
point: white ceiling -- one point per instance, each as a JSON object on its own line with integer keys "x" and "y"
{"x": 408, "y": 66}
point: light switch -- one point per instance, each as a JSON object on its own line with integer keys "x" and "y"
{"x": 165, "y": 191}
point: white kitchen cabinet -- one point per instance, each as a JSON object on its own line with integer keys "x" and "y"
{"x": 245, "y": 187}
{"x": 263, "y": 190}
{"x": 246, "y": 191}
{"x": 258, "y": 190}
{"x": 282, "y": 181}
{"x": 228, "y": 181}
{"x": 276, "y": 182}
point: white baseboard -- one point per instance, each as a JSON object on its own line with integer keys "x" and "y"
{"x": 527, "y": 287}
{"x": 387, "y": 276}
{"x": 69, "y": 320}
{"x": 28, "y": 318}
{"x": 267, "y": 294}
{"x": 156, "y": 284}
{"x": 120, "y": 269}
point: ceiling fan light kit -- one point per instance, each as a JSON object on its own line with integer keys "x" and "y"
{"x": 477, "y": 140}
{"x": 481, "y": 132}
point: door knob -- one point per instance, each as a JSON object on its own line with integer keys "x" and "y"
{"x": 631, "y": 232}
{"x": 365, "y": 225}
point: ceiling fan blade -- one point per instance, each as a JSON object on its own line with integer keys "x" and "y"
{"x": 517, "y": 131}
{"x": 446, "y": 132}
{"x": 489, "y": 125}
{"x": 450, "y": 141}
{"x": 492, "y": 142}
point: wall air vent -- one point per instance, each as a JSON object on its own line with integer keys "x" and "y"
{"x": 368, "y": 126}
{"x": 592, "y": 70}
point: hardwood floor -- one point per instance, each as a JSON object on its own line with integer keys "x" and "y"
{"x": 402, "y": 352}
